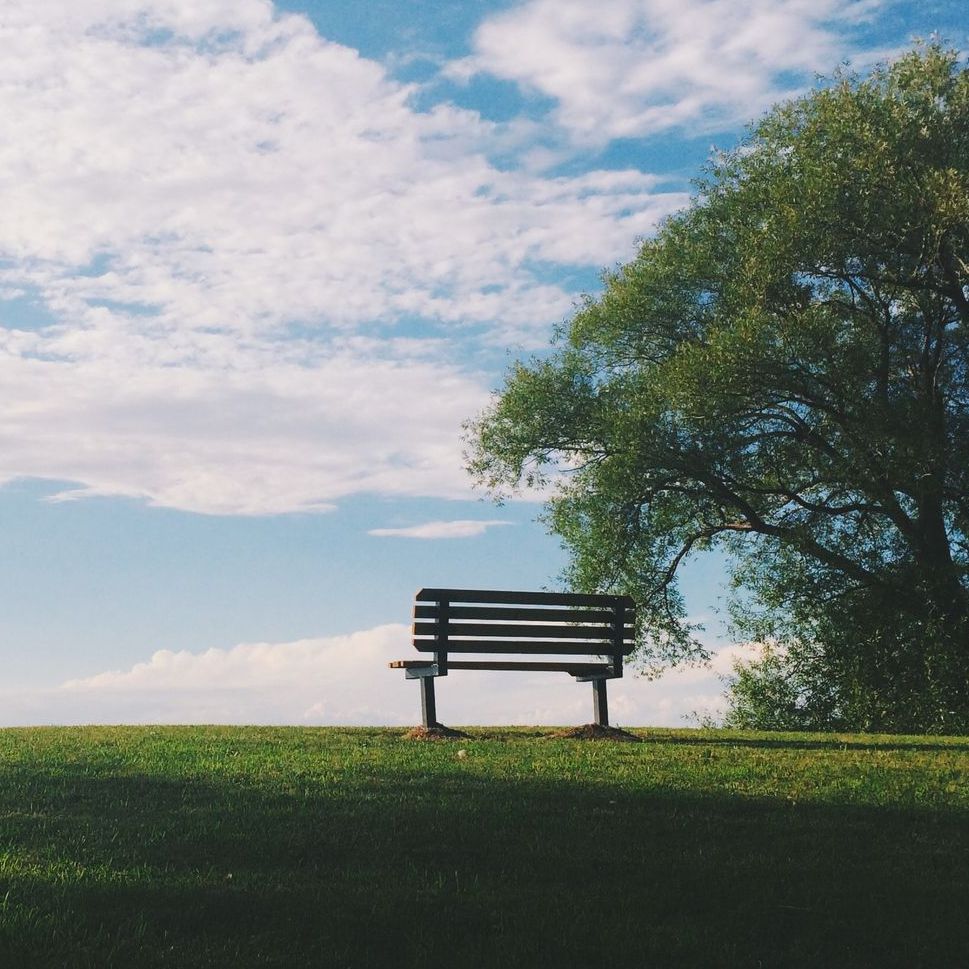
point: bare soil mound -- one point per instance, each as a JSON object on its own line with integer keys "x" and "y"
{"x": 595, "y": 731}
{"x": 437, "y": 732}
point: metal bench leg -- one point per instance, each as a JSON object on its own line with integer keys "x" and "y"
{"x": 428, "y": 705}
{"x": 600, "y": 703}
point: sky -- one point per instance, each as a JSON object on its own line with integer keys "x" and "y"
{"x": 260, "y": 261}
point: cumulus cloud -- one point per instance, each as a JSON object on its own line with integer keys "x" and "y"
{"x": 337, "y": 679}
{"x": 345, "y": 680}
{"x": 464, "y": 528}
{"x": 628, "y": 68}
{"x": 254, "y": 259}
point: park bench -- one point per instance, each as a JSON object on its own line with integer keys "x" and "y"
{"x": 463, "y": 622}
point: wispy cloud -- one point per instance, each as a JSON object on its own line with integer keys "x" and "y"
{"x": 463, "y": 528}
{"x": 628, "y": 68}
{"x": 263, "y": 434}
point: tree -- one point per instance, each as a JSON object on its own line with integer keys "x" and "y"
{"x": 782, "y": 373}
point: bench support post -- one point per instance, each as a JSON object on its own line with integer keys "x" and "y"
{"x": 600, "y": 703}
{"x": 428, "y": 704}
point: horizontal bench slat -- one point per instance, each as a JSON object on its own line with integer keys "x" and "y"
{"x": 519, "y": 613}
{"x": 577, "y": 668}
{"x": 521, "y": 646}
{"x": 516, "y": 631}
{"x": 523, "y": 598}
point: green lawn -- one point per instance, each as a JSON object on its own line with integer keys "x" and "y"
{"x": 294, "y": 847}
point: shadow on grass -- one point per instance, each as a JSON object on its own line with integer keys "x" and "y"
{"x": 719, "y": 738}
{"x": 405, "y": 868}
{"x": 899, "y": 744}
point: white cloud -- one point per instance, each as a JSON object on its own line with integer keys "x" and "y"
{"x": 465, "y": 528}
{"x": 241, "y": 439}
{"x": 626, "y": 68}
{"x": 233, "y": 222}
{"x": 337, "y": 679}
{"x": 345, "y": 680}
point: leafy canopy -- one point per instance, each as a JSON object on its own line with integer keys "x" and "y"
{"x": 782, "y": 372}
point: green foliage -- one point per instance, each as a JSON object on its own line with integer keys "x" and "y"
{"x": 786, "y": 688}
{"x": 295, "y": 848}
{"x": 782, "y": 372}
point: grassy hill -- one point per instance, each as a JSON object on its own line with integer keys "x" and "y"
{"x": 289, "y": 847}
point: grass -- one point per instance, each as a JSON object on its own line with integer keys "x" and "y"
{"x": 244, "y": 847}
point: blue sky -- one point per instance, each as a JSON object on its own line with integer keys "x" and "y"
{"x": 259, "y": 261}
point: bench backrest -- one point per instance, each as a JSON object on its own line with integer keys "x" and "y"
{"x": 489, "y": 621}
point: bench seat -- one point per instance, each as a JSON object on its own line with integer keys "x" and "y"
{"x": 575, "y": 669}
